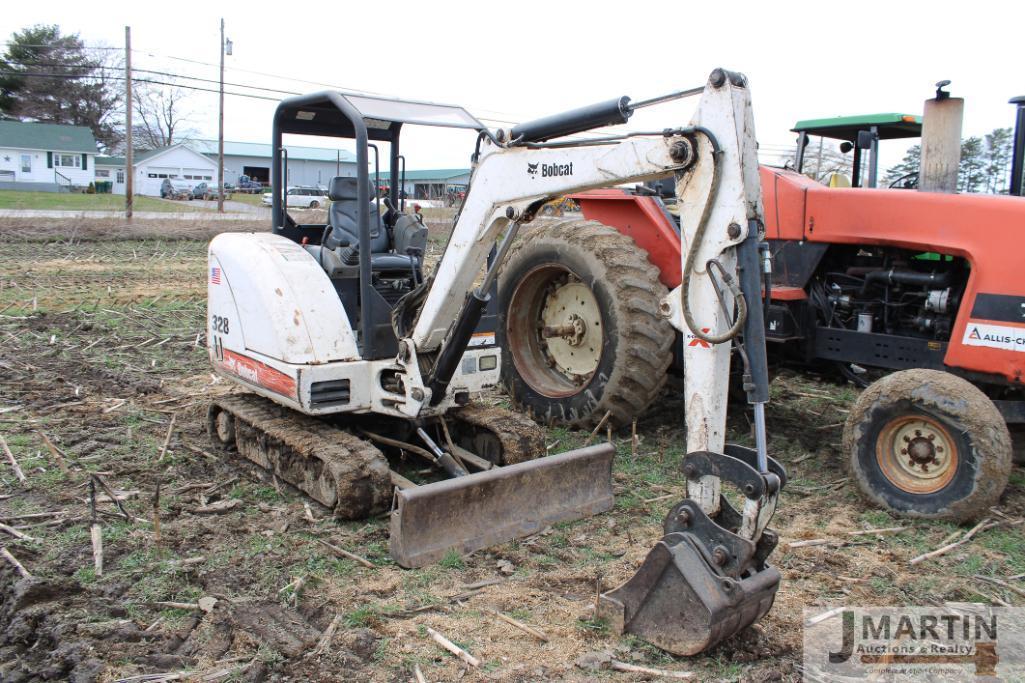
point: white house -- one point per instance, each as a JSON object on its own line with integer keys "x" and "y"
{"x": 111, "y": 170}
{"x": 45, "y": 156}
{"x": 178, "y": 162}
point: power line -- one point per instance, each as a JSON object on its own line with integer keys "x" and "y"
{"x": 144, "y": 80}
{"x": 151, "y": 71}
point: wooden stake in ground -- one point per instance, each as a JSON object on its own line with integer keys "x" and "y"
{"x": 664, "y": 673}
{"x": 530, "y": 630}
{"x": 167, "y": 439}
{"x": 1002, "y": 584}
{"x": 156, "y": 514}
{"x": 14, "y": 532}
{"x": 110, "y": 492}
{"x": 346, "y": 554}
{"x": 10, "y": 458}
{"x": 14, "y": 562}
{"x": 418, "y": 674}
{"x": 633, "y": 439}
{"x": 55, "y": 452}
{"x": 597, "y": 428}
{"x": 324, "y": 644}
{"x": 981, "y": 526}
{"x": 453, "y": 648}
{"x": 95, "y": 531}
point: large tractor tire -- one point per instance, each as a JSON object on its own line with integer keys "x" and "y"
{"x": 928, "y": 444}
{"x": 579, "y": 325}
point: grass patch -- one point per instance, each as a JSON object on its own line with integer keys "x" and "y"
{"x": 452, "y": 560}
{"x": 361, "y": 618}
{"x": 64, "y": 201}
{"x": 251, "y": 199}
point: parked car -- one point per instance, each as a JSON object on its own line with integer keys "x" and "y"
{"x": 301, "y": 197}
{"x": 173, "y": 188}
{"x": 249, "y": 186}
{"x": 205, "y": 190}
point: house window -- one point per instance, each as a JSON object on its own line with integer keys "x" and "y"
{"x": 152, "y": 175}
{"x": 120, "y": 176}
{"x": 68, "y": 160}
{"x": 206, "y": 177}
{"x": 103, "y": 174}
{"x": 26, "y": 163}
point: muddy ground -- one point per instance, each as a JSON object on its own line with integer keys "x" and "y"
{"x": 102, "y": 353}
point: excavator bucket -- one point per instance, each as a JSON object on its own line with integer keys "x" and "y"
{"x": 679, "y": 601}
{"x": 704, "y": 581}
{"x": 498, "y": 505}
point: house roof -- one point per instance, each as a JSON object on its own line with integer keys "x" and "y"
{"x": 261, "y": 150}
{"x": 432, "y": 174}
{"x": 140, "y": 157}
{"x": 110, "y": 161}
{"x": 51, "y": 137}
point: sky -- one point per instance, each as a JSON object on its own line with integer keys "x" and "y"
{"x": 510, "y": 62}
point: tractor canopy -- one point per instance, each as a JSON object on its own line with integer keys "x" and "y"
{"x": 888, "y": 126}
{"x": 859, "y": 133}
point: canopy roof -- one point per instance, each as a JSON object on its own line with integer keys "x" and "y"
{"x": 330, "y": 113}
{"x": 890, "y": 126}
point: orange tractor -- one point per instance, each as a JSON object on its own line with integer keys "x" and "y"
{"x": 922, "y": 292}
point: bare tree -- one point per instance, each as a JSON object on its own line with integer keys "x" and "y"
{"x": 820, "y": 162}
{"x": 163, "y": 117}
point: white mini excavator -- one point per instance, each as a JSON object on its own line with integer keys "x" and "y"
{"x": 352, "y": 355}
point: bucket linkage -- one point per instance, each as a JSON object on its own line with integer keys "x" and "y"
{"x": 707, "y": 578}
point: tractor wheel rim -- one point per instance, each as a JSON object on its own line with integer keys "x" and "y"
{"x": 555, "y": 331}
{"x": 917, "y": 454}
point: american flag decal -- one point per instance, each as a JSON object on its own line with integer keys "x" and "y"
{"x": 215, "y": 275}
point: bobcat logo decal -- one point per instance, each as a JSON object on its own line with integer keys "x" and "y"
{"x": 532, "y": 169}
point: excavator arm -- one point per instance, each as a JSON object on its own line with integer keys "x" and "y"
{"x": 707, "y": 578}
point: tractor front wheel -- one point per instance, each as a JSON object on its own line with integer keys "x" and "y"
{"x": 925, "y": 443}
{"x": 579, "y": 325}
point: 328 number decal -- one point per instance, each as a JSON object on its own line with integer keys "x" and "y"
{"x": 219, "y": 323}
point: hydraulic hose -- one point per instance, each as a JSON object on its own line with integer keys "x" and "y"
{"x": 699, "y": 235}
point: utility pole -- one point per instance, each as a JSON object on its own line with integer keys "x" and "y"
{"x": 129, "y": 169}
{"x": 220, "y": 133}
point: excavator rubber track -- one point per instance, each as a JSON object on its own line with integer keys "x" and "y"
{"x": 518, "y": 437}
{"x": 332, "y": 466}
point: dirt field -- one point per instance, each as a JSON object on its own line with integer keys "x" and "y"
{"x": 102, "y": 352}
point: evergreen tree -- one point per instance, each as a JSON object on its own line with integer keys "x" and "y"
{"x": 909, "y": 164}
{"x": 52, "y": 78}
{"x": 971, "y": 174}
{"x": 998, "y": 160}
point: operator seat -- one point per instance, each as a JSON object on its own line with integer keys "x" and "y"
{"x": 342, "y": 217}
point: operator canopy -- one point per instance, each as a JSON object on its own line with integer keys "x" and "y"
{"x": 332, "y": 113}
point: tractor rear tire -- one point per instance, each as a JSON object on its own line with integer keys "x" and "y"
{"x": 579, "y": 325}
{"x": 928, "y": 444}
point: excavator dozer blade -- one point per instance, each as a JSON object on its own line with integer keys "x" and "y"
{"x": 498, "y": 505}
{"x": 680, "y": 603}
